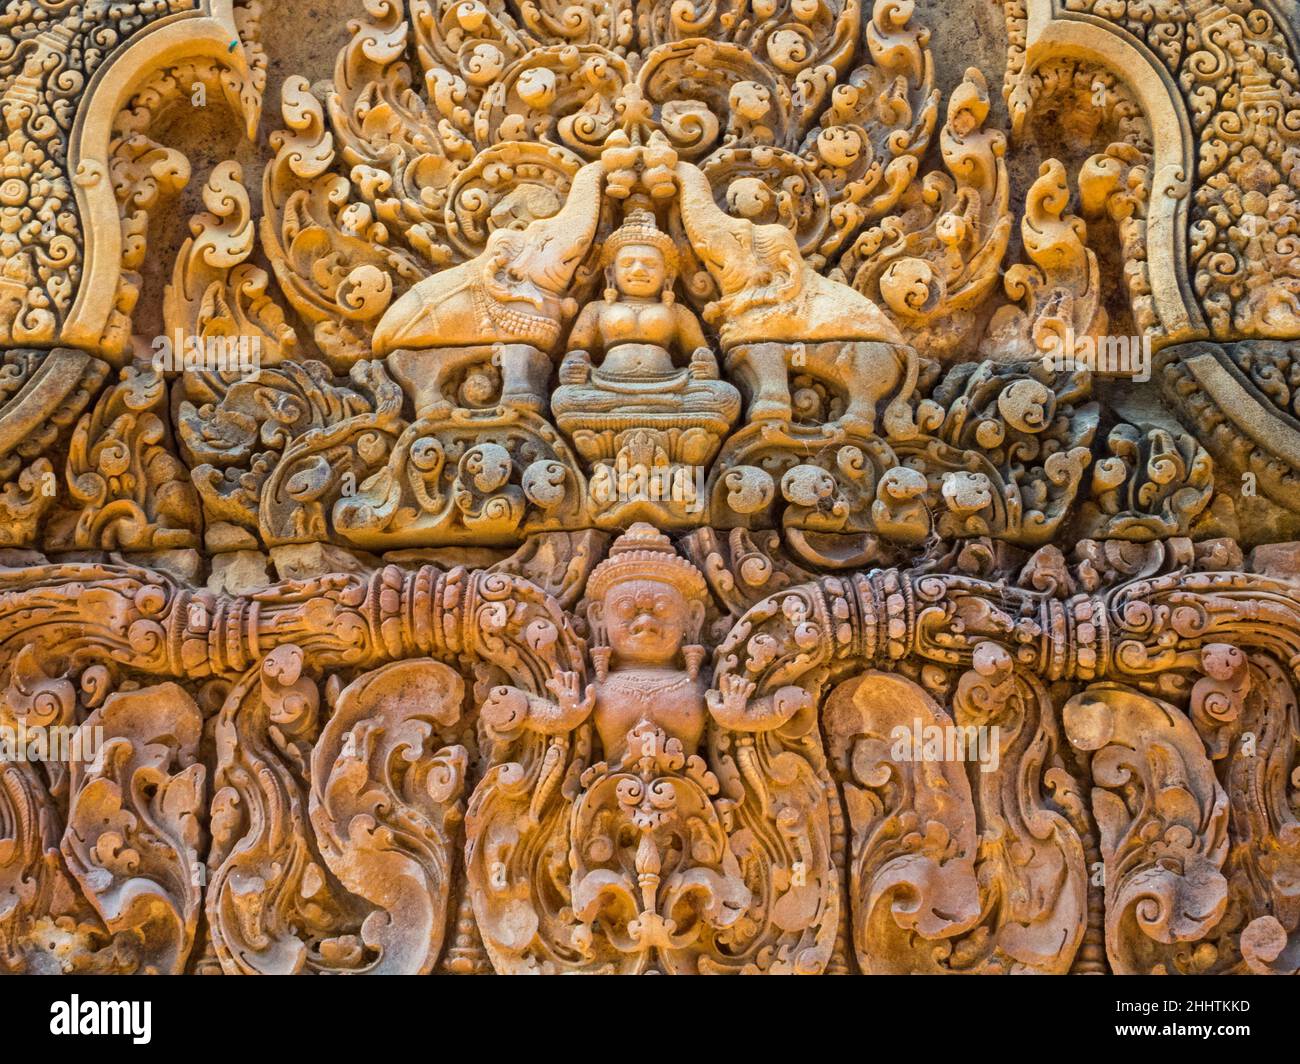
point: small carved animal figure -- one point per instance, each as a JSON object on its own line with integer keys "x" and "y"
{"x": 510, "y": 301}
{"x": 776, "y": 311}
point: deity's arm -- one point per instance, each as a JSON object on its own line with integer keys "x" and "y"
{"x": 585, "y": 335}
{"x": 508, "y": 710}
{"x": 734, "y": 706}
{"x": 690, "y": 334}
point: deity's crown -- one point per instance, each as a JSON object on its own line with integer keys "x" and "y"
{"x": 639, "y": 227}
{"x": 645, "y": 553}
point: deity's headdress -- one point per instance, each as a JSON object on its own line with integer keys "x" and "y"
{"x": 639, "y": 228}
{"x": 643, "y": 552}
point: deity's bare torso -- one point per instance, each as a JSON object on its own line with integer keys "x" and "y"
{"x": 668, "y": 699}
{"x": 638, "y": 326}
{"x": 638, "y": 337}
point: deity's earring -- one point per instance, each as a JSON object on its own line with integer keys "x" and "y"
{"x": 600, "y": 648}
{"x": 694, "y": 654}
{"x": 600, "y": 662}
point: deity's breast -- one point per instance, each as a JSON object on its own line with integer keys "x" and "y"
{"x": 670, "y": 700}
{"x": 652, "y": 323}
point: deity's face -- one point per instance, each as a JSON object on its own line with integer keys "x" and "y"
{"x": 640, "y": 271}
{"x": 646, "y": 621}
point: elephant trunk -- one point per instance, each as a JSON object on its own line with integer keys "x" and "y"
{"x": 706, "y": 223}
{"x": 572, "y": 230}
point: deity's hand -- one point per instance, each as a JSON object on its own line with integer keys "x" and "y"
{"x": 728, "y": 704}
{"x": 576, "y": 368}
{"x": 507, "y": 710}
{"x": 574, "y": 703}
{"x": 733, "y": 705}
{"x": 704, "y": 365}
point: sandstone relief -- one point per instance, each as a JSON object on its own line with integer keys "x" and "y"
{"x": 759, "y": 487}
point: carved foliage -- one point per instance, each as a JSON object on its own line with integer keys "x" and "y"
{"x": 386, "y": 806}
{"x": 135, "y": 822}
{"x": 1164, "y": 828}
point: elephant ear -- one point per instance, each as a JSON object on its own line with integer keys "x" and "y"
{"x": 788, "y": 256}
{"x": 776, "y": 249}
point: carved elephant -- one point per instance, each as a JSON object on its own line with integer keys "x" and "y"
{"x": 775, "y": 312}
{"x": 510, "y": 301}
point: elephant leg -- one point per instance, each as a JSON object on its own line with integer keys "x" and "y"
{"x": 761, "y": 370}
{"x": 524, "y": 373}
{"x": 867, "y": 371}
{"x": 430, "y": 375}
{"x": 421, "y": 374}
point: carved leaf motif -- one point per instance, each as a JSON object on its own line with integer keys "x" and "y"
{"x": 933, "y": 263}
{"x": 43, "y": 393}
{"x": 135, "y": 821}
{"x": 1164, "y": 829}
{"x": 386, "y": 806}
{"x": 271, "y": 907}
{"x": 913, "y": 842}
{"x": 330, "y": 257}
{"x": 1031, "y": 866}
{"x": 1249, "y": 706}
{"x": 779, "y": 800}
{"x": 516, "y": 855}
{"x": 133, "y": 493}
{"x": 34, "y": 883}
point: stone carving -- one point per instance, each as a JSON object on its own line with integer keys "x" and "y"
{"x": 1160, "y": 891}
{"x": 129, "y": 489}
{"x": 774, "y": 308}
{"x": 934, "y": 263}
{"x": 508, "y": 303}
{"x": 44, "y": 393}
{"x": 37, "y": 886}
{"x": 922, "y": 885}
{"x": 385, "y": 806}
{"x": 638, "y": 412}
{"x": 686, "y": 854}
{"x": 135, "y": 824}
{"x": 541, "y": 699}
{"x": 592, "y": 507}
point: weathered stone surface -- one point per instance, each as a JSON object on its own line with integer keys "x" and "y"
{"x": 238, "y": 572}
{"x": 1281, "y": 560}
{"x": 641, "y": 488}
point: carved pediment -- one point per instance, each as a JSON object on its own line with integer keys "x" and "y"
{"x": 649, "y": 488}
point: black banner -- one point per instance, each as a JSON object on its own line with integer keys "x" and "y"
{"x": 163, "y": 1015}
